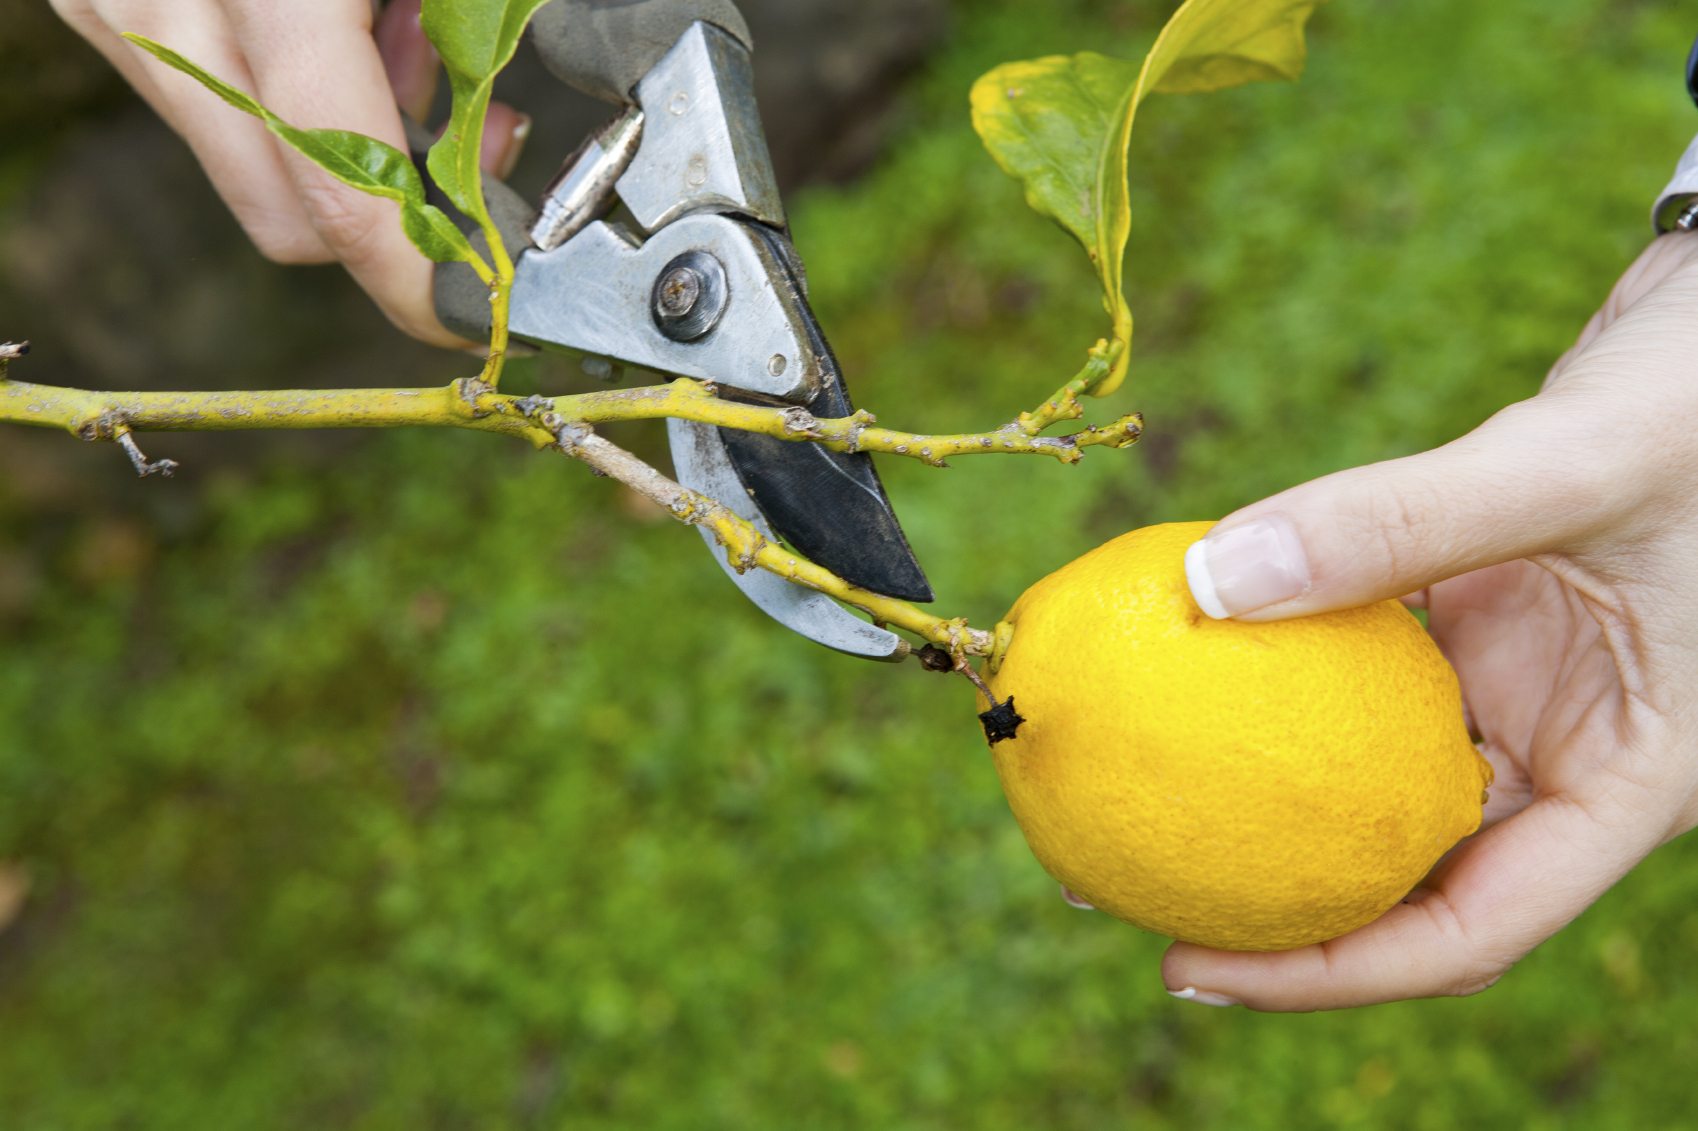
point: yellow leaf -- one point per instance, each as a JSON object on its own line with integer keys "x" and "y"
{"x": 1061, "y": 124}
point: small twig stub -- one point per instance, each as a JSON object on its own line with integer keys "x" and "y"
{"x": 144, "y": 466}
{"x": 935, "y": 659}
{"x": 10, "y": 351}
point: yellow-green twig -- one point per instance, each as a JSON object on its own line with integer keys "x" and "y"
{"x": 500, "y": 294}
{"x": 747, "y": 548}
{"x": 104, "y": 416}
{"x": 691, "y": 400}
{"x": 562, "y": 422}
{"x": 469, "y": 404}
{"x": 1063, "y": 404}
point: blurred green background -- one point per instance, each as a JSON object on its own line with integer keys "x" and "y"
{"x": 415, "y": 780}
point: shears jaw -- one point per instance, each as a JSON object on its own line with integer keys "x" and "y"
{"x": 604, "y": 293}
{"x": 703, "y": 148}
{"x": 697, "y": 277}
{"x": 691, "y": 142}
{"x": 700, "y": 462}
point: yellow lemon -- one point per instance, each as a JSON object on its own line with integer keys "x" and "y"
{"x": 1244, "y": 786}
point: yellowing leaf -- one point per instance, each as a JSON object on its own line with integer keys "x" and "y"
{"x": 1061, "y": 124}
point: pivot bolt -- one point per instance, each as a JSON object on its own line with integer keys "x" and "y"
{"x": 689, "y": 296}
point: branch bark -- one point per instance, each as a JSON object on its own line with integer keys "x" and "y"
{"x": 564, "y": 423}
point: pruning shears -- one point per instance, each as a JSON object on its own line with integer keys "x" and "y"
{"x": 1677, "y": 206}
{"x": 662, "y": 246}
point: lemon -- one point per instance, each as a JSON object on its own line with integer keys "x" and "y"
{"x": 1243, "y": 786}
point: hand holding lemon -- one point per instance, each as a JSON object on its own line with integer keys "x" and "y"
{"x": 1556, "y": 550}
{"x": 1245, "y": 786}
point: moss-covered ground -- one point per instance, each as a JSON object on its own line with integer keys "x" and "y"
{"x": 442, "y": 786}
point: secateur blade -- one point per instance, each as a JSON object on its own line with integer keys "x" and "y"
{"x": 700, "y": 463}
{"x": 829, "y": 505}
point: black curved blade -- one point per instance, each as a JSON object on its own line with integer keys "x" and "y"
{"x": 829, "y": 505}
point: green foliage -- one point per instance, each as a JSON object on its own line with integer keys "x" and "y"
{"x": 430, "y": 787}
{"x": 1062, "y": 124}
{"x": 370, "y": 165}
{"x": 476, "y": 39}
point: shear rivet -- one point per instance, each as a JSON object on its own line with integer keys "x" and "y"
{"x": 776, "y": 363}
{"x": 679, "y": 103}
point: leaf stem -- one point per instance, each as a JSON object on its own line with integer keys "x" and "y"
{"x": 500, "y": 283}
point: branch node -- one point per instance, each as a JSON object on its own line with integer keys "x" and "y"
{"x": 749, "y": 557}
{"x": 800, "y": 422}
{"x": 472, "y": 391}
{"x": 534, "y": 404}
{"x": 935, "y": 659}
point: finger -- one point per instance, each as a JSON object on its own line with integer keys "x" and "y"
{"x": 1536, "y": 478}
{"x": 408, "y": 58}
{"x": 504, "y": 135}
{"x": 236, "y": 151}
{"x": 1662, "y": 257}
{"x": 316, "y": 64}
{"x": 1500, "y": 896}
{"x": 1511, "y": 790}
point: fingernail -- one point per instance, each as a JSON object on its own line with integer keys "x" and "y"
{"x": 515, "y": 146}
{"x": 1248, "y": 567}
{"x": 1073, "y": 900}
{"x": 1202, "y": 997}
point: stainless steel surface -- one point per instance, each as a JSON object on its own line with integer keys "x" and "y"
{"x": 1680, "y": 193}
{"x": 1688, "y": 219}
{"x": 703, "y": 147}
{"x": 592, "y": 294}
{"x": 583, "y": 189}
{"x": 1674, "y": 211}
{"x": 689, "y": 296}
{"x": 828, "y": 505}
{"x": 700, "y": 463}
{"x": 706, "y": 285}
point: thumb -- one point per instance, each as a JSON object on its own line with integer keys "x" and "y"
{"x": 1537, "y": 478}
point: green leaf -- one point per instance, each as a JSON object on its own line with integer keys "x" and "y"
{"x": 476, "y": 39}
{"x": 354, "y": 159}
{"x": 1061, "y": 124}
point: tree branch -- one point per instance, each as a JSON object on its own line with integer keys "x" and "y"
{"x": 564, "y": 423}
{"x": 1063, "y": 404}
{"x": 471, "y": 404}
{"x": 747, "y": 548}
{"x": 100, "y": 416}
{"x": 692, "y": 400}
